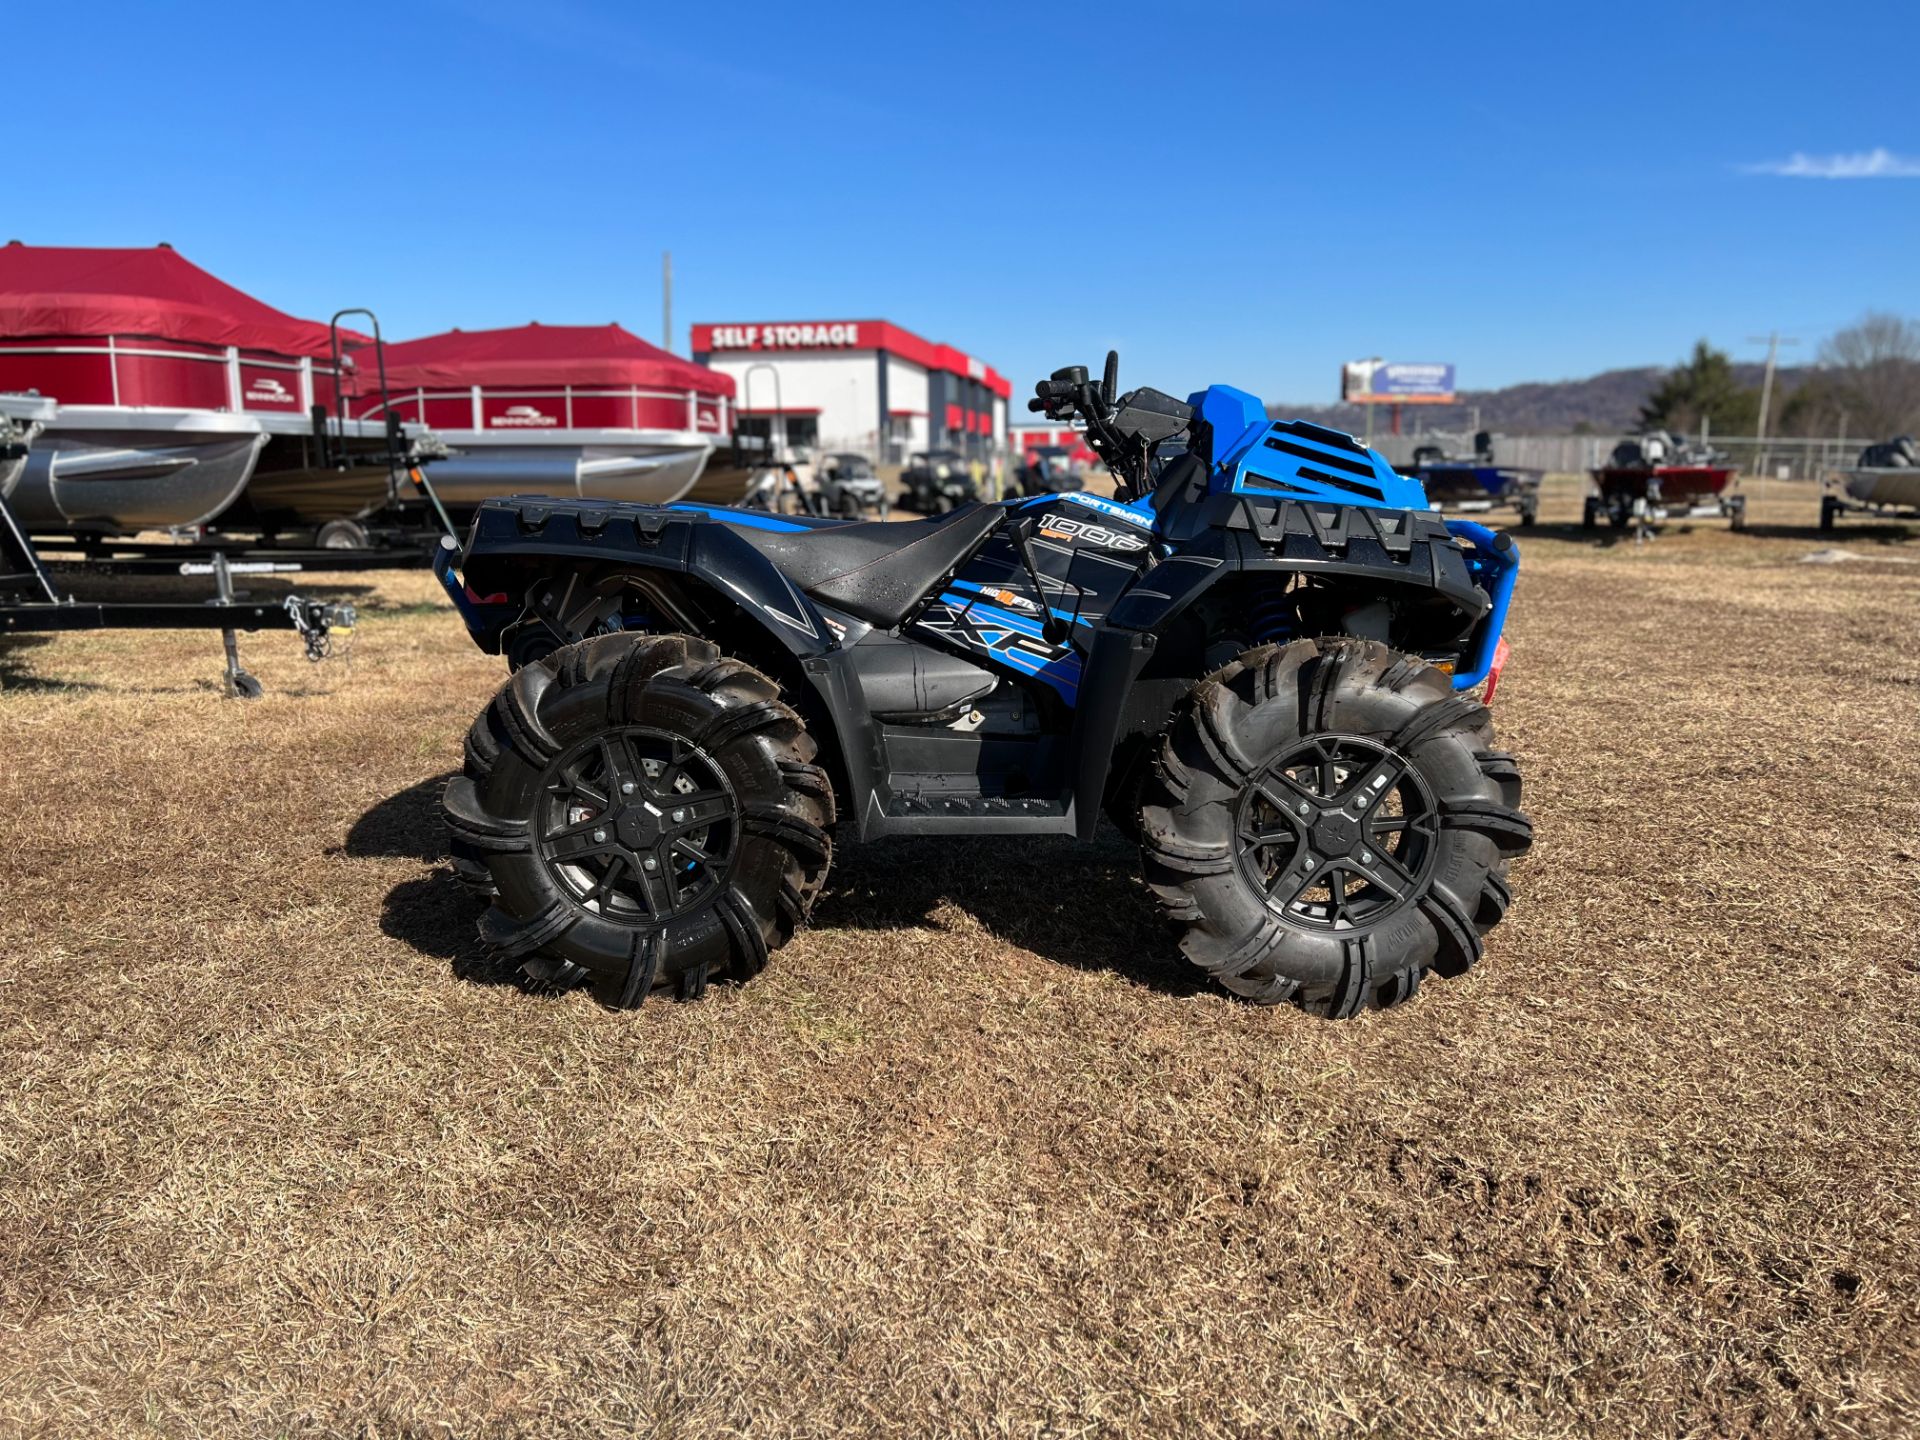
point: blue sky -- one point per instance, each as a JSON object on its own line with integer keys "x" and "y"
{"x": 1248, "y": 194}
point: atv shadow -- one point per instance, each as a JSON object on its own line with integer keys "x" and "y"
{"x": 1070, "y": 903}
{"x": 430, "y": 914}
{"x": 405, "y": 826}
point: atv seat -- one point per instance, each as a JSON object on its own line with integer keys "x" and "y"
{"x": 877, "y": 570}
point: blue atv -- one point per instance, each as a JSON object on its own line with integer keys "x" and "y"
{"x": 1260, "y": 660}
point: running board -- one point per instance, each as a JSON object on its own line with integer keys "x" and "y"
{"x": 939, "y": 812}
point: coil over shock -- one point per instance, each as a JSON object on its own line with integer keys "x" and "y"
{"x": 1270, "y": 617}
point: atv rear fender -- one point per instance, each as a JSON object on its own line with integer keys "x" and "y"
{"x": 514, "y": 543}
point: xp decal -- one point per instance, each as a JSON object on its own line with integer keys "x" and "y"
{"x": 971, "y": 623}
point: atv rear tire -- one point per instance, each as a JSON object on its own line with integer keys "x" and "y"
{"x": 1329, "y": 821}
{"x": 591, "y": 659}
{"x": 647, "y": 814}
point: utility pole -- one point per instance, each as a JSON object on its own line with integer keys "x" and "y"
{"x": 666, "y": 301}
{"x": 1773, "y": 343}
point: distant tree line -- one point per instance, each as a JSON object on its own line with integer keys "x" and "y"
{"x": 1867, "y": 384}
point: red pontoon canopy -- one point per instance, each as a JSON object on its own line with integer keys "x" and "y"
{"x": 156, "y": 294}
{"x": 535, "y": 356}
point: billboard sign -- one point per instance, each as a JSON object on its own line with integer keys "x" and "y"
{"x": 1396, "y": 382}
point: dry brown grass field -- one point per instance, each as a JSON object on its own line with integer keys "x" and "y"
{"x": 280, "y": 1155}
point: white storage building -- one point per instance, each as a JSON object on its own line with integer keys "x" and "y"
{"x": 857, "y": 385}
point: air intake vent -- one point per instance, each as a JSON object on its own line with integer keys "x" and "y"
{"x": 1320, "y": 435}
{"x": 1352, "y": 487}
{"x": 1317, "y": 456}
{"x": 1285, "y": 486}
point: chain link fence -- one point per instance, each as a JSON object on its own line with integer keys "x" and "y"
{"x": 1776, "y": 458}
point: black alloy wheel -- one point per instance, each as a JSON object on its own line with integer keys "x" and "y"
{"x": 1338, "y": 833}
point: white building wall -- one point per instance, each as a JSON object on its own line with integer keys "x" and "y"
{"x": 907, "y": 390}
{"x": 844, "y": 387}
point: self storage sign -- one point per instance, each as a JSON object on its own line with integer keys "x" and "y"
{"x": 823, "y": 335}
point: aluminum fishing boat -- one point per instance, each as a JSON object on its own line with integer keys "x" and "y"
{"x": 1659, "y": 476}
{"x": 1884, "y": 483}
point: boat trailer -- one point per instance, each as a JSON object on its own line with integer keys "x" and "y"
{"x": 30, "y": 603}
{"x": 1522, "y": 500}
{"x": 1835, "y": 502}
{"x": 110, "y": 556}
{"x": 1884, "y": 484}
{"x": 1645, "y": 514}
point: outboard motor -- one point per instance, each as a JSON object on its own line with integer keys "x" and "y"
{"x": 1896, "y": 454}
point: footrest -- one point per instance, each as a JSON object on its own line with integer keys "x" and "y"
{"x": 984, "y": 807}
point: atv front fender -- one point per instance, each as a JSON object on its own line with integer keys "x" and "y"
{"x": 1403, "y": 549}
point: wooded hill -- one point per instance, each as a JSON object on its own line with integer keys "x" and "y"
{"x": 1607, "y": 404}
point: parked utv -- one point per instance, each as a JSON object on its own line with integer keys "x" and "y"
{"x": 1263, "y": 667}
{"x": 1049, "y": 470}
{"x": 937, "y": 482}
{"x": 849, "y": 487}
{"x": 839, "y": 484}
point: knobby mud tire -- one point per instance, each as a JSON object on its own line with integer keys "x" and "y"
{"x": 1195, "y": 832}
{"x": 730, "y": 722}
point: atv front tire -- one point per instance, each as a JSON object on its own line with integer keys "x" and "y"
{"x": 1328, "y": 821}
{"x": 648, "y": 815}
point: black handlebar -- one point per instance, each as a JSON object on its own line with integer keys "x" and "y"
{"x": 1124, "y": 430}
